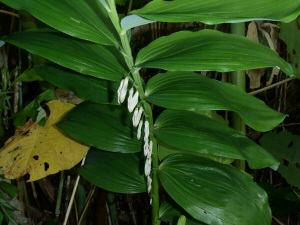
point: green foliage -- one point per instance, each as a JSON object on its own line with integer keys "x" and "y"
{"x": 105, "y": 127}
{"x": 193, "y": 132}
{"x": 191, "y": 91}
{"x": 34, "y": 109}
{"x": 182, "y": 220}
{"x": 92, "y": 42}
{"x": 207, "y": 191}
{"x": 282, "y": 200}
{"x": 170, "y": 212}
{"x": 87, "y": 20}
{"x": 208, "y": 50}
{"x": 29, "y": 76}
{"x": 284, "y": 146}
{"x": 122, "y": 173}
{"x": 216, "y": 11}
{"x": 79, "y": 55}
{"x": 5, "y": 208}
{"x": 85, "y": 87}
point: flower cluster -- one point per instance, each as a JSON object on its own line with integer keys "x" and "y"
{"x": 138, "y": 122}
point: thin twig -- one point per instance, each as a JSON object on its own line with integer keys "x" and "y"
{"x": 76, "y": 212}
{"x": 277, "y": 220}
{"x": 73, "y": 195}
{"x": 272, "y": 86}
{"x": 16, "y": 94}
{"x": 9, "y": 13}
{"x": 296, "y": 193}
{"x": 87, "y": 204}
{"x": 289, "y": 125}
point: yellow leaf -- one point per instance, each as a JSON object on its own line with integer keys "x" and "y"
{"x": 41, "y": 151}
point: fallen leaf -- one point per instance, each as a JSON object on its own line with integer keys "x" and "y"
{"x": 272, "y": 38}
{"x": 41, "y": 151}
{"x": 254, "y": 75}
{"x": 67, "y": 96}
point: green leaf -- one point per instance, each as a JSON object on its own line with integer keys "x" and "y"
{"x": 29, "y": 76}
{"x": 212, "y": 192}
{"x": 283, "y": 201}
{"x": 87, "y": 19}
{"x": 9, "y": 189}
{"x": 290, "y": 34}
{"x": 116, "y": 172}
{"x": 85, "y": 87}
{"x": 208, "y": 50}
{"x": 1, "y": 43}
{"x": 31, "y": 110}
{"x": 191, "y": 91}
{"x": 105, "y": 127}
{"x": 169, "y": 211}
{"x": 121, "y": 2}
{"x": 193, "y": 132}
{"x": 182, "y": 220}
{"x": 216, "y": 11}
{"x": 82, "y": 56}
{"x": 164, "y": 151}
{"x": 285, "y": 147}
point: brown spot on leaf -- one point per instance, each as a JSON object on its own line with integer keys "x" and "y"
{"x": 36, "y": 157}
{"x": 46, "y": 166}
{"x": 14, "y": 149}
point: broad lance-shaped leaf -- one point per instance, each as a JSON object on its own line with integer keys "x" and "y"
{"x": 219, "y": 11}
{"x": 86, "y": 19}
{"x": 105, "y": 127}
{"x": 191, "y": 91}
{"x": 194, "y": 132}
{"x": 208, "y": 50}
{"x": 116, "y": 172}
{"x": 82, "y": 56}
{"x": 212, "y": 192}
{"x": 41, "y": 151}
{"x": 86, "y": 87}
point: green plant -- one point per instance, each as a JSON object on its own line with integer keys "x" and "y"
{"x": 93, "y": 43}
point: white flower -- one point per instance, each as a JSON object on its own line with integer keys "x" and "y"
{"x": 132, "y": 100}
{"x": 149, "y": 183}
{"x": 137, "y": 116}
{"x": 150, "y": 150}
{"x": 139, "y": 130}
{"x": 122, "y": 91}
{"x": 148, "y": 167}
{"x": 146, "y": 130}
{"x": 146, "y": 148}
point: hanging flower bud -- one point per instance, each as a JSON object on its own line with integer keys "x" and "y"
{"x": 146, "y": 130}
{"x": 122, "y": 91}
{"x": 139, "y": 130}
{"x": 148, "y": 167}
{"x": 132, "y": 100}
{"x": 146, "y": 148}
{"x": 134, "y": 118}
{"x": 150, "y": 150}
{"x": 150, "y": 201}
{"x": 149, "y": 183}
{"x": 137, "y": 116}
